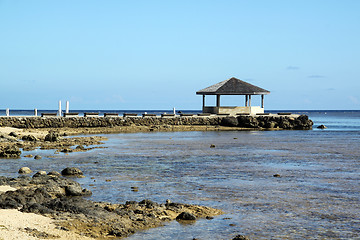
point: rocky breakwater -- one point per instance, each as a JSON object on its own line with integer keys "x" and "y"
{"x": 63, "y": 200}
{"x": 301, "y": 122}
{"x": 271, "y": 121}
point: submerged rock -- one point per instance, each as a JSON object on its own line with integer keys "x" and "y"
{"x": 240, "y": 237}
{"x": 322, "y": 127}
{"x": 72, "y": 172}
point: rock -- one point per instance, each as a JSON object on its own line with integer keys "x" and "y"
{"x": 322, "y": 127}
{"x": 73, "y": 190}
{"x": 13, "y": 134}
{"x": 66, "y": 150}
{"x": 39, "y": 173}
{"x": 240, "y": 237}
{"x": 10, "y": 152}
{"x": 54, "y": 173}
{"x": 80, "y": 147}
{"x": 52, "y": 136}
{"x": 270, "y": 124}
{"x": 229, "y": 122}
{"x": 72, "y": 171}
{"x": 28, "y": 156}
{"x": 25, "y": 170}
{"x": 212, "y": 145}
{"x": 186, "y": 216}
{"x": 276, "y": 175}
{"x": 37, "y": 157}
{"x": 148, "y": 203}
{"x": 30, "y": 138}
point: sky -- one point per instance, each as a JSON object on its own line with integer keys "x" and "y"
{"x": 141, "y": 54}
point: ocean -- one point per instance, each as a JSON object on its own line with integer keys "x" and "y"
{"x": 317, "y": 195}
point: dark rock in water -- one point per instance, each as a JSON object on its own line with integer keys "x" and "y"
{"x": 229, "y": 122}
{"x": 276, "y": 175}
{"x": 37, "y": 157}
{"x": 72, "y": 171}
{"x": 322, "y": 127}
{"x": 52, "y": 136}
{"x": 13, "y": 134}
{"x": 10, "y": 152}
{"x": 30, "y": 138}
{"x": 240, "y": 237}
{"x": 186, "y": 216}
{"x": 212, "y": 145}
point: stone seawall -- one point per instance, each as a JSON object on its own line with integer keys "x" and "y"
{"x": 255, "y": 122}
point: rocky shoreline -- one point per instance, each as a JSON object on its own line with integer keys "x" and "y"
{"x": 62, "y": 199}
{"x": 58, "y": 197}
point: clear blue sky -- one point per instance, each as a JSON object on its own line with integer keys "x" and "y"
{"x": 133, "y": 54}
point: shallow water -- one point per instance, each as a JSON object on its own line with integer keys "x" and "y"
{"x": 316, "y": 197}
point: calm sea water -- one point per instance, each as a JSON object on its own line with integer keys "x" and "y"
{"x": 316, "y": 197}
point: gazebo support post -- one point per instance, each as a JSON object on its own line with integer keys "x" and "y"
{"x": 217, "y": 100}
{"x": 203, "y": 102}
{"x": 262, "y": 101}
{"x": 246, "y": 100}
{"x": 249, "y": 100}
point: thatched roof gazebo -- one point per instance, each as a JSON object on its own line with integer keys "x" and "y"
{"x": 233, "y": 86}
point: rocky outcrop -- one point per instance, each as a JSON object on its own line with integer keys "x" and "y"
{"x": 11, "y": 151}
{"x": 61, "y": 198}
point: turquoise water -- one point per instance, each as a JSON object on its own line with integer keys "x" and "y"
{"x": 316, "y": 197}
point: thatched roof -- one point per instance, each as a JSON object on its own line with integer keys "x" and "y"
{"x": 233, "y": 86}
